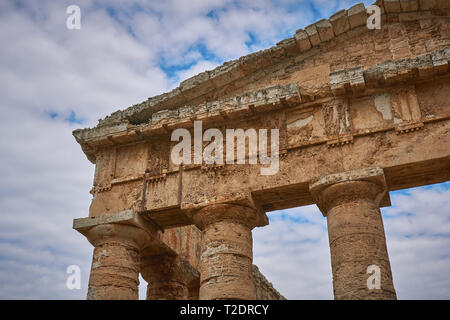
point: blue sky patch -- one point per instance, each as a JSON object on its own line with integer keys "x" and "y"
{"x": 72, "y": 118}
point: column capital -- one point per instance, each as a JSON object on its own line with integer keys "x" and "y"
{"x": 239, "y": 207}
{"x": 346, "y": 186}
{"x": 125, "y": 226}
{"x": 226, "y": 212}
{"x": 118, "y": 232}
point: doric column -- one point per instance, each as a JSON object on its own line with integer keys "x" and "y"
{"x": 168, "y": 277}
{"x": 351, "y": 202}
{"x": 115, "y": 263}
{"x": 226, "y": 256}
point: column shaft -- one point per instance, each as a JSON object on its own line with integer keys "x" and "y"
{"x": 166, "y": 276}
{"x": 357, "y": 241}
{"x": 226, "y": 259}
{"x": 356, "y": 236}
{"x": 115, "y": 263}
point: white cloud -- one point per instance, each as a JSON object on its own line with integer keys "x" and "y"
{"x": 294, "y": 255}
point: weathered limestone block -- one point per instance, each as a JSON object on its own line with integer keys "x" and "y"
{"x": 342, "y": 80}
{"x": 226, "y": 73}
{"x": 325, "y": 30}
{"x": 127, "y": 217}
{"x": 305, "y": 126}
{"x": 268, "y": 96}
{"x": 227, "y": 254}
{"x": 390, "y": 72}
{"x": 427, "y": 4}
{"x": 357, "y": 15}
{"x": 185, "y": 112}
{"x": 131, "y": 160}
{"x": 201, "y": 111}
{"x": 164, "y": 116}
{"x": 302, "y": 39}
{"x": 387, "y": 72}
{"x": 434, "y": 99}
{"x": 105, "y": 166}
{"x": 142, "y": 112}
{"x": 409, "y": 5}
{"x": 340, "y": 22}
{"x": 399, "y": 43}
{"x": 373, "y": 112}
{"x": 392, "y": 6}
{"x": 185, "y": 241}
{"x": 337, "y": 118}
{"x": 194, "y": 81}
{"x": 157, "y": 157}
{"x": 168, "y": 277}
{"x": 405, "y": 106}
{"x": 313, "y": 35}
{"x": 443, "y": 4}
{"x": 414, "y": 16}
{"x": 287, "y": 46}
{"x": 351, "y": 202}
{"x": 440, "y": 60}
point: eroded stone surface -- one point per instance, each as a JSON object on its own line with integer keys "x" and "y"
{"x": 264, "y": 290}
{"x": 226, "y": 269}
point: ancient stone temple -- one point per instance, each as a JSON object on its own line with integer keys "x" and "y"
{"x": 359, "y": 112}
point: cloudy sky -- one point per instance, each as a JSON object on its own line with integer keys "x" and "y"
{"x": 54, "y": 80}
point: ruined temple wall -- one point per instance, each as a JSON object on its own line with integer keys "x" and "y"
{"x": 346, "y": 104}
{"x": 186, "y": 241}
{"x": 264, "y": 290}
{"x": 325, "y": 113}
